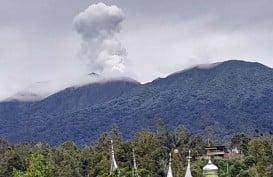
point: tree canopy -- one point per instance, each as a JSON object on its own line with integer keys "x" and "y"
{"x": 151, "y": 147}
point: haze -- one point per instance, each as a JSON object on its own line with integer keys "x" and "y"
{"x": 64, "y": 39}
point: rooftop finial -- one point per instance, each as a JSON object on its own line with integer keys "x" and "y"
{"x": 189, "y": 157}
{"x": 209, "y": 162}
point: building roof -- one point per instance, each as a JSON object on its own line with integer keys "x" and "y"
{"x": 210, "y": 167}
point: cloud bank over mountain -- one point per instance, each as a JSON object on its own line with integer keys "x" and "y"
{"x": 41, "y": 42}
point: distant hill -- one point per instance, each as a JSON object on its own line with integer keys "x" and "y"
{"x": 40, "y": 90}
{"x": 24, "y": 121}
{"x": 233, "y": 96}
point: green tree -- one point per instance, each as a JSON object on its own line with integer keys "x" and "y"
{"x": 98, "y": 155}
{"x": 149, "y": 151}
{"x": 249, "y": 161}
{"x": 39, "y": 166}
{"x": 253, "y": 172}
{"x": 68, "y": 160}
{"x": 4, "y": 145}
{"x": 197, "y": 146}
{"x": 269, "y": 170}
{"x": 243, "y": 173}
{"x": 240, "y": 141}
{"x": 10, "y": 161}
{"x": 237, "y": 166}
{"x": 209, "y": 133}
{"x": 257, "y": 150}
{"x": 196, "y": 168}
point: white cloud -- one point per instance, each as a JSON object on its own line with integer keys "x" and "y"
{"x": 26, "y": 58}
{"x": 101, "y": 50}
{"x": 38, "y": 42}
{"x": 99, "y": 21}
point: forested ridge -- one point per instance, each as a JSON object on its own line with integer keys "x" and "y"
{"x": 151, "y": 149}
{"x": 232, "y": 96}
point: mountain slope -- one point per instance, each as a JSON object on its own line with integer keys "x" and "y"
{"x": 77, "y": 98}
{"x": 22, "y": 121}
{"x": 234, "y": 96}
{"x": 41, "y": 90}
{"x": 231, "y": 96}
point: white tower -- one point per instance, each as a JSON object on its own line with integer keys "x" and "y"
{"x": 114, "y": 165}
{"x": 135, "y": 165}
{"x": 188, "y": 171}
{"x": 170, "y": 173}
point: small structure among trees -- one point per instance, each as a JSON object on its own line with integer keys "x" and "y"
{"x": 151, "y": 149}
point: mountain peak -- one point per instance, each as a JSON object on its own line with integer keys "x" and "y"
{"x": 240, "y": 63}
{"x": 221, "y": 95}
{"x": 93, "y": 74}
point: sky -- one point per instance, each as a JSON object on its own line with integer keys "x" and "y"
{"x": 60, "y": 39}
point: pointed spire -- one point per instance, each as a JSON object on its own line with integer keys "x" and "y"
{"x": 114, "y": 165}
{"x": 209, "y": 162}
{"x": 135, "y": 165}
{"x": 188, "y": 171}
{"x": 170, "y": 173}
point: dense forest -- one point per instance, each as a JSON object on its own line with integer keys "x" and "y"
{"x": 233, "y": 96}
{"x": 151, "y": 146}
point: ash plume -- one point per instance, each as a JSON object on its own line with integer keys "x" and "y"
{"x": 101, "y": 50}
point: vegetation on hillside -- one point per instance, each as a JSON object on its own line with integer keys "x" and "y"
{"x": 151, "y": 149}
{"x": 234, "y": 96}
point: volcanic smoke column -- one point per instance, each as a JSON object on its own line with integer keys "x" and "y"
{"x": 101, "y": 50}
